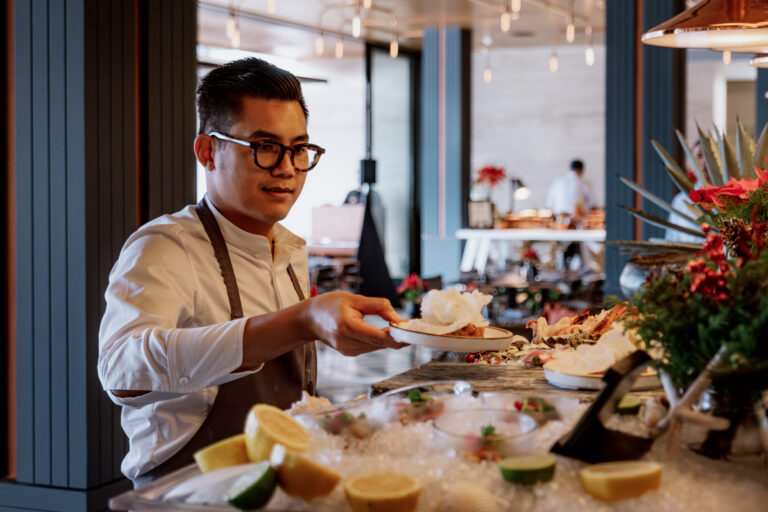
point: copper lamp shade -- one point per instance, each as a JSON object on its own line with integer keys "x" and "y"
{"x": 735, "y": 25}
{"x": 760, "y": 61}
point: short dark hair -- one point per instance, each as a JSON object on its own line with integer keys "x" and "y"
{"x": 220, "y": 94}
{"x": 577, "y": 164}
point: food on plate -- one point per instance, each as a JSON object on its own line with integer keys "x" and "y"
{"x": 340, "y": 422}
{"x": 576, "y": 330}
{"x": 539, "y": 408}
{"x": 419, "y": 407}
{"x": 450, "y": 313}
{"x": 629, "y": 405}
{"x": 253, "y": 489}
{"x": 266, "y": 426}
{"x": 308, "y": 403}
{"x": 613, "y": 481}
{"x": 528, "y": 469}
{"x": 488, "y": 445}
{"x": 227, "y": 452}
{"x": 383, "y": 492}
{"x": 593, "y": 359}
{"x": 300, "y": 476}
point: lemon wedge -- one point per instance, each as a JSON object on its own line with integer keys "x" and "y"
{"x": 613, "y": 481}
{"x": 227, "y": 452}
{"x": 300, "y": 476}
{"x": 266, "y": 426}
{"x": 383, "y": 492}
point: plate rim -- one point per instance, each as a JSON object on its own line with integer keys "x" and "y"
{"x": 509, "y": 334}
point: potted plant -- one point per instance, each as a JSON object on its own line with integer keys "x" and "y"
{"x": 411, "y": 289}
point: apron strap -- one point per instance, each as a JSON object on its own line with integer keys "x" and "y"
{"x": 222, "y": 256}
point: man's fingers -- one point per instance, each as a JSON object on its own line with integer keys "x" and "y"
{"x": 380, "y": 307}
{"x": 366, "y": 333}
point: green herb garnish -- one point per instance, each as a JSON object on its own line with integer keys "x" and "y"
{"x": 487, "y": 430}
{"x": 415, "y": 396}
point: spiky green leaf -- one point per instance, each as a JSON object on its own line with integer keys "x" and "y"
{"x": 655, "y": 199}
{"x": 680, "y": 181}
{"x": 713, "y": 167}
{"x": 761, "y": 150}
{"x": 744, "y": 149}
{"x": 730, "y": 163}
{"x": 657, "y": 221}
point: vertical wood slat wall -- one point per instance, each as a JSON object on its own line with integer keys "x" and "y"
{"x": 620, "y": 40}
{"x": 663, "y": 108}
{"x": 761, "y": 101}
{"x": 84, "y": 72}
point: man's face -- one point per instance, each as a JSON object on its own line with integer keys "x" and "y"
{"x": 251, "y": 197}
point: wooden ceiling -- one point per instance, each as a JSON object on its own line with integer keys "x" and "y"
{"x": 540, "y": 23}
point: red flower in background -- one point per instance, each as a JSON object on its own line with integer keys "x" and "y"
{"x": 412, "y": 287}
{"x": 490, "y": 175}
{"x": 530, "y": 254}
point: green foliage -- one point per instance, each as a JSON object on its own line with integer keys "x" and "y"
{"x": 742, "y": 209}
{"x": 689, "y": 327}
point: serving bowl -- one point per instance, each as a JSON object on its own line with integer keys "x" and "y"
{"x": 356, "y": 419}
{"x": 485, "y": 434}
{"x": 427, "y": 400}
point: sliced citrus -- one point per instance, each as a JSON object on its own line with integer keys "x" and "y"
{"x": 253, "y": 489}
{"x": 629, "y": 405}
{"x": 300, "y": 476}
{"x": 528, "y": 469}
{"x": 267, "y": 425}
{"x": 613, "y": 481}
{"x": 227, "y": 452}
{"x": 383, "y": 492}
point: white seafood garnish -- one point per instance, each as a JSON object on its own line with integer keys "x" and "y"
{"x": 611, "y": 347}
{"x": 445, "y": 311}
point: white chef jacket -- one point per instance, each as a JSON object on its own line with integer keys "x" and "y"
{"x": 167, "y": 324}
{"x": 568, "y": 191}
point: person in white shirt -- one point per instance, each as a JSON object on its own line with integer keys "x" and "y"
{"x": 569, "y": 195}
{"x": 207, "y": 310}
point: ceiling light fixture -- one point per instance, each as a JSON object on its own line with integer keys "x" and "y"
{"x": 487, "y": 73}
{"x": 506, "y": 19}
{"x": 570, "y": 29}
{"x": 319, "y": 43}
{"x": 726, "y": 57}
{"x": 394, "y": 46}
{"x": 589, "y": 56}
{"x": 553, "y": 61}
{"x": 271, "y": 6}
{"x": 516, "y": 6}
{"x": 367, "y": 3}
{"x": 356, "y": 21}
{"x": 759, "y": 61}
{"x": 231, "y": 24}
{"x": 736, "y": 25}
{"x": 339, "y": 46}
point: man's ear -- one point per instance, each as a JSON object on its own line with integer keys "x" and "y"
{"x": 204, "y": 151}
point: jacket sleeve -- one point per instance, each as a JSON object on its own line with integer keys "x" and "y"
{"x": 148, "y": 340}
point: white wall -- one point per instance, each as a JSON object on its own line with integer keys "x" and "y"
{"x": 534, "y": 122}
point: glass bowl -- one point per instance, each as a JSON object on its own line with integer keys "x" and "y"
{"x": 486, "y": 434}
{"x": 427, "y": 400}
{"x": 541, "y": 407}
{"x": 356, "y": 419}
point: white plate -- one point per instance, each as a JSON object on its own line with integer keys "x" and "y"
{"x": 581, "y": 381}
{"x": 494, "y": 339}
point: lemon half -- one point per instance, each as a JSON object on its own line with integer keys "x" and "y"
{"x": 383, "y": 492}
{"x": 266, "y": 426}
{"x": 613, "y": 481}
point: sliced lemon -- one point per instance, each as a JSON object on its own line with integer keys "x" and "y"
{"x": 266, "y": 426}
{"x": 227, "y": 452}
{"x": 613, "y": 481}
{"x": 299, "y": 476}
{"x": 383, "y": 492}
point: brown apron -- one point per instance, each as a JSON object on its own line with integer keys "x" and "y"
{"x": 279, "y": 382}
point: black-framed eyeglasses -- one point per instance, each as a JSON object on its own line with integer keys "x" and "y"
{"x": 269, "y": 154}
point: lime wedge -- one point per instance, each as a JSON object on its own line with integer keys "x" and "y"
{"x": 528, "y": 469}
{"x": 253, "y": 489}
{"x": 629, "y": 405}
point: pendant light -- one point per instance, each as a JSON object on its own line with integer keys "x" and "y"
{"x": 759, "y": 61}
{"x": 735, "y": 25}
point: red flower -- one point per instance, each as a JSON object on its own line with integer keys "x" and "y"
{"x": 530, "y": 254}
{"x": 491, "y": 175}
{"x": 412, "y": 287}
{"x": 734, "y": 191}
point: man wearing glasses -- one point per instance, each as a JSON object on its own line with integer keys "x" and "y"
{"x": 207, "y": 310}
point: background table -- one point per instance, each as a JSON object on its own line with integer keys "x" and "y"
{"x": 479, "y": 241}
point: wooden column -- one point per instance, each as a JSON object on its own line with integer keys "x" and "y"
{"x": 761, "y": 101}
{"x": 444, "y": 150}
{"x": 85, "y": 175}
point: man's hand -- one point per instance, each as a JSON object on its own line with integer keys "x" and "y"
{"x": 336, "y": 319}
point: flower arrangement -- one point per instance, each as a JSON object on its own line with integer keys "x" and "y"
{"x": 412, "y": 288}
{"x": 530, "y": 255}
{"x": 491, "y": 176}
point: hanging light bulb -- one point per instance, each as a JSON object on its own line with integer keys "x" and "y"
{"x": 487, "y": 74}
{"x": 516, "y": 6}
{"x": 726, "y": 57}
{"x": 570, "y": 30}
{"x": 394, "y": 46}
{"x": 506, "y": 19}
{"x": 553, "y": 62}
{"x": 590, "y": 54}
{"x": 339, "y": 47}
{"x": 356, "y": 20}
{"x": 231, "y": 25}
{"x": 235, "y": 39}
{"x": 367, "y": 3}
{"x": 271, "y": 6}
{"x": 319, "y": 43}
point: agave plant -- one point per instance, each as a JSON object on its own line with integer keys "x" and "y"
{"x": 723, "y": 163}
